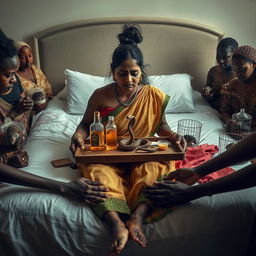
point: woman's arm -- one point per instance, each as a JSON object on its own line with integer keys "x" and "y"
{"x": 82, "y": 130}
{"x": 244, "y": 150}
{"x": 207, "y": 91}
{"x": 89, "y": 191}
{"x": 169, "y": 193}
{"x": 165, "y": 130}
{"x": 226, "y": 108}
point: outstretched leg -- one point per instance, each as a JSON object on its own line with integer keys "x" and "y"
{"x": 134, "y": 224}
{"x": 120, "y": 232}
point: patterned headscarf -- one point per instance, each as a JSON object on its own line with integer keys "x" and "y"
{"x": 21, "y": 44}
{"x": 246, "y": 51}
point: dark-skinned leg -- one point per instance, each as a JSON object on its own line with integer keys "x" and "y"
{"x": 120, "y": 232}
{"x": 134, "y": 224}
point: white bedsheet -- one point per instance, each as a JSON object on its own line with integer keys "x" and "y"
{"x": 35, "y": 222}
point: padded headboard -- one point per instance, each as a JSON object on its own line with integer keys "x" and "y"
{"x": 169, "y": 46}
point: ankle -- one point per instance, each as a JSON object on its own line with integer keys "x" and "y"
{"x": 119, "y": 224}
{"x": 141, "y": 211}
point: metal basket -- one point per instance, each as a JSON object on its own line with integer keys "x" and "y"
{"x": 190, "y": 128}
{"x": 226, "y": 141}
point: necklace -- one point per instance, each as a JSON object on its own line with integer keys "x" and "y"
{"x": 123, "y": 103}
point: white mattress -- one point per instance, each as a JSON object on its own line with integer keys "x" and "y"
{"x": 35, "y": 222}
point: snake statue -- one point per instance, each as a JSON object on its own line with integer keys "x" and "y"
{"x": 131, "y": 143}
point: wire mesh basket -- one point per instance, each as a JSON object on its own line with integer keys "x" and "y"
{"x": 191, "y": 130}
{"x": 226, "y": 141}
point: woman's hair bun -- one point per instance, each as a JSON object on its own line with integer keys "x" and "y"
{"x": 131, "y": 35}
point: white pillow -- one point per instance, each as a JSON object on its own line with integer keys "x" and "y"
{"x": 178, "y": 87}
{"x": 80, "y": 87}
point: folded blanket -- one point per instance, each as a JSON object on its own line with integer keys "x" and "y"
{"x": 197, "y": 155}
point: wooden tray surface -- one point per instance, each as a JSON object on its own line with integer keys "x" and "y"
{"x": 116, "y": 156}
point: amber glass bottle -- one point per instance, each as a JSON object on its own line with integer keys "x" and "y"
{"x": 111, "y": 134}
{"x": 97, "y": 133}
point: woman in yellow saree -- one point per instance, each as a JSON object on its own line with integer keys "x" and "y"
{"x": 130, "y": 94}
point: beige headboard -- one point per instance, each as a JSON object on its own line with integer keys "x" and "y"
{"x": 169, "y": 46}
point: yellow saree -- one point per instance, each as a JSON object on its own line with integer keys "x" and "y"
{"x": 125, "y": 181}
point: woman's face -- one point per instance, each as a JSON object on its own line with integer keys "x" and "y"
{"x": 127, "y": 75}
{"x": 7, "y": 75}
{"x": 224, "y": 57}
{"x": 243, "y": 69}
{"x": 26, "y": 57}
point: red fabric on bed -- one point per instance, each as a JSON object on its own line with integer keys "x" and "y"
{"x": 197, "y": 155}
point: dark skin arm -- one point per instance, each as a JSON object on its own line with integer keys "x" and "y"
{"x": 209, "y": 80}
{"x": 168, "y": 193}
{"x": 244, "y": 150}
{"x": 83, "y": 189}
{"x": 165, "y": 130}
{"x": 82, "y": 131}
{"x": 226, "y": 110}
{"x": 25, "y": 104}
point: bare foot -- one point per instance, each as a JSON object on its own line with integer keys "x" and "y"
{"x": 120, "y": 237}
{"x": 134, "y": 225}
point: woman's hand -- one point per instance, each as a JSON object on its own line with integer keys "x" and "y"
{"x": 40, "y": 107}
{"x": 166, "y": 194}
{"x": 18, "y": 159}
{"x": 77, "y": 140}
{"x": 207, "y": 92}
{"x": 184, "y": 175}
{"x": 89, "y": 191}
{"x": 178, "y": 139}
{"x": 24, "y": 105}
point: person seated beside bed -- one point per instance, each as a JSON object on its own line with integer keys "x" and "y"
{"x": 13, "y": 105}
{"x": 130, "y": 94}
{"x": 219, "y": 76}
{"x": 32, "y": 78}
{"x": 176, "y": 189}
{"x": 241, "y": 91}
{"x": 90, "y": 192}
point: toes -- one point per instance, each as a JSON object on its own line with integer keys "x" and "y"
{"x": 143, "y": 241}
{"x": 139, "y": 237}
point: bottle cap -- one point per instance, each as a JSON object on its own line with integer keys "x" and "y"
{"x": 111, "y": 118}
{"x": 97, "y": 114}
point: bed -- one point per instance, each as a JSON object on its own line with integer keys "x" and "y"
{"x": 35, "y": 222}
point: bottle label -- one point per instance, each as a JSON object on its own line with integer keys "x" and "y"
{"x": 95, "y": 139}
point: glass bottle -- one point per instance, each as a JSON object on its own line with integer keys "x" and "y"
{"x": 97, "y": 133}
{"x": 242, "y": 121}
{"x": 111, "y": 134}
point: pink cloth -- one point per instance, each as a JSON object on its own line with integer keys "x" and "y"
{"x": 197, "y": 155}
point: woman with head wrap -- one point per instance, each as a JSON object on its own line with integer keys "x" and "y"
{"x": 219, "y": 75}
{"x": 241, "y": 91}
{"x": 33, "y": 80}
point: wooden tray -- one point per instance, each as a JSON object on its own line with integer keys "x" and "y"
{"x": 117, "y": 156}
